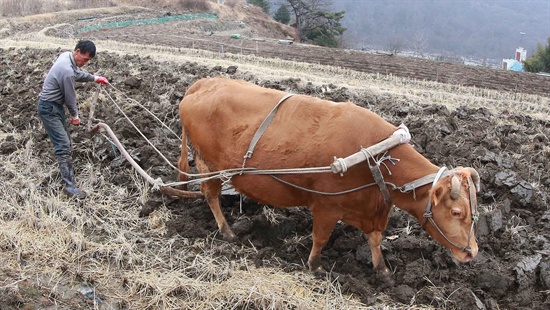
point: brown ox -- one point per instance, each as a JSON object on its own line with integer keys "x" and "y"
{"x": 220, "y": 116}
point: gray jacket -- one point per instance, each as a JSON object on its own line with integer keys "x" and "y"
{"x": 59, "y": 83}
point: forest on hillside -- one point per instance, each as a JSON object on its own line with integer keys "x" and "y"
{"x": 481, "y": 29}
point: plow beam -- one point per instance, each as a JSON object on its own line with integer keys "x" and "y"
{"x": 167, "y": 190}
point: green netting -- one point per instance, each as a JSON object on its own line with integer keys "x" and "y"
{"x": 147, "y": 21}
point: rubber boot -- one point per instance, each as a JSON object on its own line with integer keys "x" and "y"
{"x": 67, "y": 175}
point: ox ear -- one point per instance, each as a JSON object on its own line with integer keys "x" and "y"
{"x": 436, "y": 194}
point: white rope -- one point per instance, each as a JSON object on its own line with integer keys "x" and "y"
{"x": 229, "y": 173}
{"x": 139, "y": 131}
{"x": 324, "y": 193}
{"x": 151, "y": 113}
{"x": 343, "y": 164}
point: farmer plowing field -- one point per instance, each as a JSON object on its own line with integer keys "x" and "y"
{"x": 57, "y": 92}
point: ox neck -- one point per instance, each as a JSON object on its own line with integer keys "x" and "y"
{"x": 414, "y": 202}
{"x": 411, "y": 193}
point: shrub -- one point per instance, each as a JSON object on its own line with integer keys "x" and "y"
{"x": 540, "y": 62}
{"x": 282, "y": 15}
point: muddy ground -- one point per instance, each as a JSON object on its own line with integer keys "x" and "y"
{"x": 511, "y": 154}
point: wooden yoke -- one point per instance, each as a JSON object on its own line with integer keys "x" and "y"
{"x": 400, "y": 136}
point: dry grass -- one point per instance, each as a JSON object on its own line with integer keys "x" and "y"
{"x": 127, "y": 260}
{"x": 200, "y": 5}
{"x": 32, "y": 7}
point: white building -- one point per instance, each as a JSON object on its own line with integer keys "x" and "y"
{"x": 515, "y": 64}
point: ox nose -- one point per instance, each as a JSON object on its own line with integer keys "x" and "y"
{"x": 471, "y": 253}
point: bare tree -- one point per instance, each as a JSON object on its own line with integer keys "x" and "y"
{"x": 348, "y": 40}
{"x": 395, "y": 45}
{"x": 419, "y": 43}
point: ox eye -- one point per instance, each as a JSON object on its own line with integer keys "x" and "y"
{"x": 456, "y": 213}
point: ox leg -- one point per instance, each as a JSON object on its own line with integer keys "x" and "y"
{"x": 323, "y": 224}
{"x": 375, "y": 239}
{"x": 212, "y": 190}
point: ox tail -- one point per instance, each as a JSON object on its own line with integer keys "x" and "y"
{"x": 183, "y": 166}
{"x": 183, "y": 163}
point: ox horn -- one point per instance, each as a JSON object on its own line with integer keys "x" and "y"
{"x": 455, "y": 187}
{"x": 475, "y": 177}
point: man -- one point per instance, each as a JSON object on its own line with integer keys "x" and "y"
{"x": 58, "y": 91}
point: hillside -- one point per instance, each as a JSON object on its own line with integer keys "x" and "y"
{"x": 260, "y": 37}
{"x": 250, "y": 21}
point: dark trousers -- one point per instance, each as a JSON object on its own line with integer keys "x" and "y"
{"x": 52, "y": 115}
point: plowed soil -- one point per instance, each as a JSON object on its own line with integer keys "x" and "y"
{"x": 511, "y": 152}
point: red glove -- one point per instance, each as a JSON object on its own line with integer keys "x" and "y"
{"x": 101, "y": 80}
{"x": 75, "y": 121}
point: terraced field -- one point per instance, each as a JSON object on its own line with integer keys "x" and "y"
{"x": 179, "y": 36}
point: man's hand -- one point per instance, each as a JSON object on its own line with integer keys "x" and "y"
{"x": 75, "y": 121}
{"x": 101, "y": 80}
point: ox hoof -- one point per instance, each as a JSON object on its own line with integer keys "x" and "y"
{"x": 382, "y": 270}
{"x": 229, "y": 236}
{"x": 314, "y": 263}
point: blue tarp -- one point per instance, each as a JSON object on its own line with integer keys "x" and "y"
{"x": 518, "y": 66}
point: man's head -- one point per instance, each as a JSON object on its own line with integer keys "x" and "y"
{"x": 84, "y": 51}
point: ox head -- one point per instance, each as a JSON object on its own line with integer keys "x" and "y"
{"x": 452, "y": 212}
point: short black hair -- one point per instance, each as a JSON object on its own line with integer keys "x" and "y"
{"x": 86, "y": 47}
